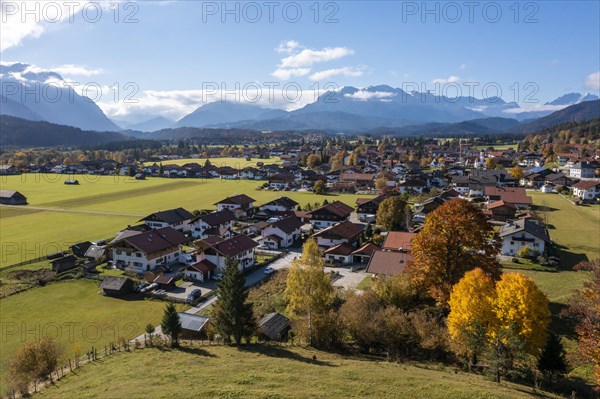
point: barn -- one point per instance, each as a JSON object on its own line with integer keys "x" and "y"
{"x": 10, "y": 197}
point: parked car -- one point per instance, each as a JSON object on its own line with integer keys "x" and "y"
{"x": 141, "y": 287}
{"x": 195, "y": 294}
{"x": 262, "y": 246}
{"x": 269, "y": 270}
{"x": 217, "y": 276}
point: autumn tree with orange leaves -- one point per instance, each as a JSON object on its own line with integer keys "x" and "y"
{"x": 586, "y": 307}
{"x": 455, "y": 239}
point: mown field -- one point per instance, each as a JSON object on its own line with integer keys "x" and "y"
{"x": 74, "y": 313}
{"x": 102, "y": 205}
{"x": 238, "y": 163}
{"x": 576, "y": 229}
{"x": 271, "y": 372}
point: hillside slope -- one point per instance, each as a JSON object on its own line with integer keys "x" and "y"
{"x": 269, "y": 372}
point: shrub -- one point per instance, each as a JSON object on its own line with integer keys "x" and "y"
{"x": 524, "y": 252}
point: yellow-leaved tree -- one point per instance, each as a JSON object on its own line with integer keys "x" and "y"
{"x": 509, "y": 319}
{"x": 308, "y": 292}
{"x": 471, "y": 313}
{"x": 522, "y": 312}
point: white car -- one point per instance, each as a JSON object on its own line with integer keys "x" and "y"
{"x": 262, "y": 246}
{"x": 269, "y": 270}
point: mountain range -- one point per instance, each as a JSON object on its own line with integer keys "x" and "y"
{"x": 42, "y": 96}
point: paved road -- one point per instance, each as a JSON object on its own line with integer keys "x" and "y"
{"x": 251, "y": 279}
{"x": 39, "y": 208}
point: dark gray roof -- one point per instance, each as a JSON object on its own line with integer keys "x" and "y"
{"x": 170, "y": 216}
{"x": 192, "y": 322}
{"x": 526, "y": 225}
{"x": 274, "y": 325}
{"x": 113, "y": 282}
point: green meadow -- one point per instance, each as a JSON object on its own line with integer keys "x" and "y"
{"x": 275, "y": 372}
{"x": 59, "y": 215}
{"x": 75, "y": 314}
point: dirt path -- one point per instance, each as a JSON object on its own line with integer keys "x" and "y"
{"x": 38, "y": 208}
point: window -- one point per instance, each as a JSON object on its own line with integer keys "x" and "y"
{"x": 128, "y": 253}
{"x": 138, "y": 254}
{"x": 119, "y": 252}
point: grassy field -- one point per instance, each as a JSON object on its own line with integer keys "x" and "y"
{"x": 102, "y": 205}
{"x": 499, "y": 147}
{"x": 73, "y": 313}
{"x": 238, "y": 163}
{"x": 270, "y": 372}
{"x": 575, "y": 229}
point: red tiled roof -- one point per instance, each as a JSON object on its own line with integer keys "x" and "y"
{"x": 586, "y": 184}
{"x": 398, "y": 239}
{"x": 156, "y": 240}
{"x": 515, "y": 195}
{"x": 203, "y": 266}
{"x": 344, "y": 249}
{"x": 388, "y": 262}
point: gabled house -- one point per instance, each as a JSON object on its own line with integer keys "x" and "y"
{"x": 281, "y": 204}
{"x": 282, "y": 233}
{"x": 344, "y": 232}
{"x": 330, "y": 214}
{"x": 213, "y": 224}
{"x": 240, "y": 248}
{"x": 9, "y": 170}
{"x": 148, "y": 250}
{"x": 340, "y": 254}
{"x": 521, "y": 233}
{"x": 388, "y": 263}
{"x": 398, "y": 241}
{"x": 501, "y": 211}
{"x": 200, "y": 271}
{"x": 513, "y": 195}
{"x": 364, "y": 253}
{"x": 241, "y": 205}
{"x": 274, "y": 327}
{"x": 178, "y": 219}
{"x": 587, "y": 189}
{"x": 366, "y": 208}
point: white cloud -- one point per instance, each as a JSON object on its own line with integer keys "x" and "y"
{"x": 175, "y": 104}
{"x": 308, "y": 57}
{"x": 17, "y": 25}
{"x": 285, "y": 74}
{"x": 592, "y": 81}
{"x": 76, "y": 70}
{"x": 364, "y": 95}
{"x": 534, "y": 108}
{"x": 287, "y": 47}
{"x": 329, "y": 73}
{"x": 450, "y": 79}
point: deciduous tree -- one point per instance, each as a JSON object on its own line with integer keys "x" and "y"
{"x": 517, "y": 172}
{"x": 471, "y": 312}
{"x": 586, "y": 307}
{"x": 32, "y": 362}
{"x": 308, "y": 292}
{"x": 392, "y": 214}
{"x": 521, "y": 310}
{"x": 455, "y": 239}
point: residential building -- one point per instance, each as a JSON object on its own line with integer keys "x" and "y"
{"x": 282, "y": 233}
{"x": 366, "y": 208}
{"x": 240, "y": 248}
{"x": 344, "y": 232}
{"x": 241, "y": 205}
{"x": 178, "y": 219}
{"x": 388, "y": 263}
{"x": 213, "y": 224}
{"x": 521, "y": 233}
{"x": 341, "y": 254}
{"x": 587, "y": 189}
{"x": 398, "y": 241}
{"x": 513, "y": 195}
{"x": 582, "y": 170}
{"x": 330, "y": 214}
{"x": 145, "y": 251}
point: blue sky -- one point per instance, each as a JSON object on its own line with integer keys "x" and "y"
{"x": 178, "y": 48}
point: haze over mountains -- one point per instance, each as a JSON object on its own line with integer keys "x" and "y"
{"x": 43, "y": 96}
